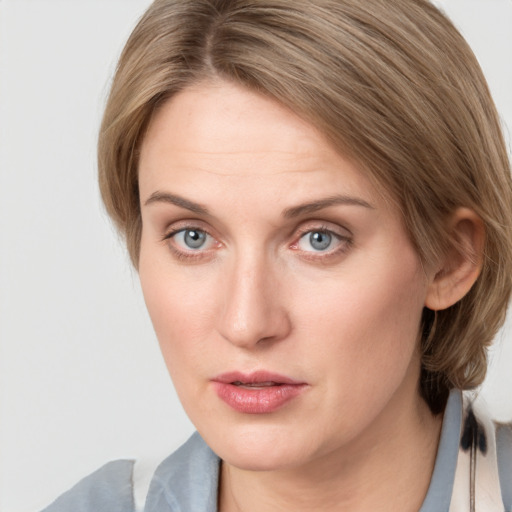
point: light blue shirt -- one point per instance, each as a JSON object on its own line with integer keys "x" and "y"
{"x": 187, "y": 481}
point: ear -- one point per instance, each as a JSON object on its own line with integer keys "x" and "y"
{"x": 461, "y": 265}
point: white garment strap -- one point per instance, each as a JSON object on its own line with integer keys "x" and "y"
{"x": 477, "y": 481}
{"x": 142, "y": 474}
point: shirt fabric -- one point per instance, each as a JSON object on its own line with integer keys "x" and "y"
{"x": 472, "y": 472}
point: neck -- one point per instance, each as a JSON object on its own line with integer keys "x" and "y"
{"x": 387, "y": 468}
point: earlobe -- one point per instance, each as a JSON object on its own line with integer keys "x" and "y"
{"x": 461, "y": 265}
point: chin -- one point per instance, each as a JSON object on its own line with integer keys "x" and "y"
{"x": 259, "y": 448}
{"x": 262, "y": 459}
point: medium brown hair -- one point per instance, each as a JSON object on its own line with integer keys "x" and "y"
{"x": 391, "y": 83}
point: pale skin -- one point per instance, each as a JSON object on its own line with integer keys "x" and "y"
{"x": 251, "y": 288}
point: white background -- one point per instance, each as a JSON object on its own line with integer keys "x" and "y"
{"x": 81, "y": 378}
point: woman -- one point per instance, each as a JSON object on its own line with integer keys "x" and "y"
{"x": 317, "y": 197}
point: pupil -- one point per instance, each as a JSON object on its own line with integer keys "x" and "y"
{"x": 320, "y": 241}
{"x": 194, "y": 239}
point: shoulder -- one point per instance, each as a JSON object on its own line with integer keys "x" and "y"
{"x": 186, "y": 480}
{"x": 108, "y": 489}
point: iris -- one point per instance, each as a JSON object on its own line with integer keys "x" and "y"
{"x": 320, "y": 240}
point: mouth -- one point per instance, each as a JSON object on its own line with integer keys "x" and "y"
{"x": 257, "y": 393}
{"x": 256, "y": 385}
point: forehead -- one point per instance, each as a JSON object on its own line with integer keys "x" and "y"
{"x": 221, "y": 118}
{"x": 221, "y": 134}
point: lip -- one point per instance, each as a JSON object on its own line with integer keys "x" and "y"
{"x": 275, "y": 391}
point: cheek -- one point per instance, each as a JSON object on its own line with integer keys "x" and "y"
{"x": 180, "y": 302}
{"x": 182, "y": 323}
{"x": 366, "y": 324}
{"x": 362, "y": 339}
{"x": 183, "y": 303}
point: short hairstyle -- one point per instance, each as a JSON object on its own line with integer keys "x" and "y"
{"x": 391, "y": 83}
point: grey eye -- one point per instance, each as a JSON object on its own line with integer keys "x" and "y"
{"x": 320, "y": 240}
{"x": 193, "y": 238}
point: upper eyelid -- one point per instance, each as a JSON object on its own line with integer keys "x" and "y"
{"x": 173, "y": 232}
{"x": 330, "y": 227}
{"x": 303, "y": 228}
{"x": 339, "y": 237}
{"x": 329, "y": 231}
{"x": 182, "y": 225}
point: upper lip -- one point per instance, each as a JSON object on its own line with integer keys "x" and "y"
{"x": 256, "y": 377}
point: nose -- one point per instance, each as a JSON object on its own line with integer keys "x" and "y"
{"x": 253, "y": 311}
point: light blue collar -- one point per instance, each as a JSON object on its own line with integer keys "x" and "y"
{"x": 440, "y": 491}
{"x": 187, "y": 481}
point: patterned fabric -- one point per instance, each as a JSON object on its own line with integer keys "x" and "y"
{"x": 480, "y": 477}
{"x": 472, "y": 473}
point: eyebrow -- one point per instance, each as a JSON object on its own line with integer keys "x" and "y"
{"x": 165, "y": 197}
{"x": 320, "y": 204}
{"x": 295, "y": 211}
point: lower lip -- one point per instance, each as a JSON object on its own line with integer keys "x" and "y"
{"x": 257, "y": 400}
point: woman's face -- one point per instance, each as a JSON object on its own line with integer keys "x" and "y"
{"x": 284, "y": 291}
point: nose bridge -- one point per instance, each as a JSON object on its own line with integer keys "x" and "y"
{"x": 253, "y": 310}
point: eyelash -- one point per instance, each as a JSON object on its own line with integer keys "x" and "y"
{"x": 344, "y": 244}
{"x": 180, "y": 254}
